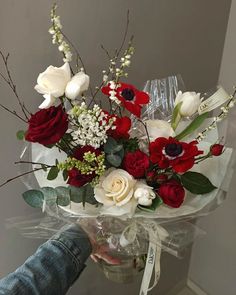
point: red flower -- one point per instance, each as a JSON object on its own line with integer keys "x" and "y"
{"x": 76, "y": 178}
{"x": 172, "y": 193}
{"x": 169, "y": 152}
{"x": 123, "y": 125}
{"x": 131, "y": 98}
{"x": 136, "y": 163}
{"x": 216, "y": 149}
{"x": 47, "y": 126}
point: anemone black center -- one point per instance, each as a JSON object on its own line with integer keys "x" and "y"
{"x": 128, "y": 94}
{"x": 173, "y": 149}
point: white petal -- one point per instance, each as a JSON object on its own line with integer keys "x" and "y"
{"x": 48, "y": 102}
{"x": 67, "y": 71}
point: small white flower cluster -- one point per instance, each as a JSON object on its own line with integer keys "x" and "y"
{"x": 57, "y": 36}
{"x": 89, "y": 127}
{"x": 112, "y": 93}
{"x": 219, "y": 118}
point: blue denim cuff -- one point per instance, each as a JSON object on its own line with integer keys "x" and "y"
{"x": 76, "y": 242}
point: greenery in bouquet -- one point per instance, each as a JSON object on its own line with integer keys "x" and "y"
{"x": 105, "y": 164}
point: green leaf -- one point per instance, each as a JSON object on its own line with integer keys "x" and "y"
{"x": 65, "y": 174}
{"x": 176, "y": 116}
{"x": 192, "y": 126}
{"x": 118, "y": 148}
{"x": 34, "y": 198}
{"x": 110, "y": 145}
{"x": 131, "y": 144}
{"x": 155, "y": 204}
{"x": 76, "y": 193}
{"x": 63, "y": 196}
{"x": 83, "y": 194}
{"x": 53, "y": 173}
{"x": 50, "y": 195}
{"x": 89, "y": 195}
{"x": 114, "y": 159}
{"x": 20, "y": 134}
{"x": 196, "y": 183}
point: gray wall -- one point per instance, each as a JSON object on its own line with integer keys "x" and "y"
{"x": 184, "y": 36}
{"x": 213, "y": 261}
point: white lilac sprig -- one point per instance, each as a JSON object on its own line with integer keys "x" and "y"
{"x": 57, "y": 36}
{"x": 89, "y": 126}
{"x": 223, "y": 114}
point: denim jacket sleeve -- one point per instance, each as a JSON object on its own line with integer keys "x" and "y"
{"x": 53, "y": 268}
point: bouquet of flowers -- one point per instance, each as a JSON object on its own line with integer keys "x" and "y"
{"x": 137, "y": 162}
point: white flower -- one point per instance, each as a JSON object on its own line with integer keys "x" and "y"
{"x": 116, "y": 188}
{"x": 159, "y": 128}
{"x": 52, "y": 83}
{"x": 144, "y": 194}
{"x": 77, "y": 85}
{"x": 190, "y": 103}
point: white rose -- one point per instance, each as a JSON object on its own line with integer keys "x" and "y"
{"x": 159, "y": 128}
{"x": 144, "y": 194}
{"x": 116, "y": 188}
{"x": 52, "y": 83}
{"x": 190, "y": 103}
{"x": 77, "y": 85}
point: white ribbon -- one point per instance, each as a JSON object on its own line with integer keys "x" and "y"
{"x": 156, "y": 235}
{"x": 214, "y": 101}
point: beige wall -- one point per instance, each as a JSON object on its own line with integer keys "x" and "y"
{"x": 184, "y": 36}
{"x": 213, "y": 261}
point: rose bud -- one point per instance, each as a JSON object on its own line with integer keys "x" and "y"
{"x": 216, "y": 149}
{"x": 172, "y": 193}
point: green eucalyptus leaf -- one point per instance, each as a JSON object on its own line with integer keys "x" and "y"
{"x": 76, "y": 193}
{"x": 89, "y": 195}
{"x": 20, "y": 134}
{"x": 110, "y": 145}
{"x": 53, "y": 173}
{"x": 63, "y": 196}
{"x": 155, "y": 204}
{"x": 195, "y": 124}
{"x": 118, "y": 148}
{"x": 196, "y": 183}
{"x": 50, "y": 195}
{"x": 176, "y": 115}
{"x": 34, "y": 198}
{"x": 114, "y": 159}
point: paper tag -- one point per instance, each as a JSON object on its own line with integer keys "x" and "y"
{"x": 214, "y": 101}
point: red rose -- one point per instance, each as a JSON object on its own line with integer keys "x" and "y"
{"x": 47, "y": 126}
{"x": 172, "y": 193}
{"x": 216, "y": 149}
{"x": 136, "y": 163}
{"x": 131, "y": 98}
{"x": 169, "y": 152}
{"x": 76, "y": 178}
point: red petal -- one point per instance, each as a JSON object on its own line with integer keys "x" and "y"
{"x": 141, "y": 97}
{"x": 183, "y": 166}
{"x": 135, "y": 109}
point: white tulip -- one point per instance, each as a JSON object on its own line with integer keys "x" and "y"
{"x": 116, "y": 188}
{"x": 159, "y": 128}
{"x": 78, "y": 84}
{"x": 144, "y": 194}
{"x": 52, "y": 83}
{"x": 190, "y": 103}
